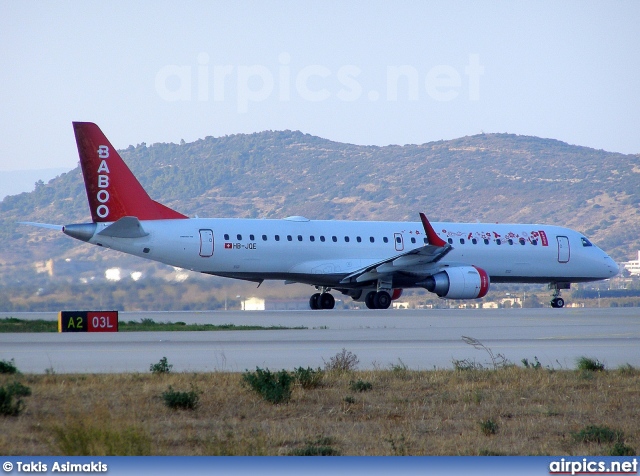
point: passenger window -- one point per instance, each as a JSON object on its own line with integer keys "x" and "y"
{"x": 413, "y": 240}
{"x": 450, "y": 240}
{"x": 239, "y": 237}
{"x": 358, "y": 239}
{"x": 322, "y": 238}
{"x": 510, "y": 241}
{"x": 498, "y": 241}
{"x": 385, "y": 239}
{"x": 398, "y": 240}
{"x": 372, "y": 239}
{"x": 486, "y": 241}
{"x": 346, "y": 239}
{"x": 277, "y": 237}
{"x": 299, "y": 237}
{"x": 289, "y": 238}
{"x": 462, "y": 241}
{"x": 474, "y": 241}
{"x": 264, "y": 237}
{"x": 252, "y": 238}
{"x": 534, "y": 242}
{"x": 334, "y": 239}
{"x": 226, "y": 236}
{"x": 522, "y": 242}
{"x": 425, "y": 241}
{"x": 312, "y": 238}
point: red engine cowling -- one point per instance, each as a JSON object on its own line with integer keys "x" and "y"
{"x": 396, "y": 294}
{"x": 459, "y": 282}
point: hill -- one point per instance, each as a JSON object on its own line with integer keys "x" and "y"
{"x": 273, "y": 174}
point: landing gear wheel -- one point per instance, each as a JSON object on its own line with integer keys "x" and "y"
{"x": 369, "y": 300}
{"x": 557, "y": 303}
{"x": 382, "y": 300}
{"x": 326, "y": 301}
{"x": 314, "y": 301}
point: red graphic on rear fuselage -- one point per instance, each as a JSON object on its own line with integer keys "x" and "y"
{"x": 532, "y": 237}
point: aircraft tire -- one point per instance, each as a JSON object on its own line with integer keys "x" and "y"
{"x": 314, "y": 301}
{"x": 326, "y": 301}
{"x": 559, "y": 302}
{"x": 369, "y": 300}
{"x": 382, "y": 300}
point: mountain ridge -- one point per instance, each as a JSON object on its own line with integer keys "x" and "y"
{"x": 497, "y": 177}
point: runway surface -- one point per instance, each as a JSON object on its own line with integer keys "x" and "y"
{"x": 424, "y": 339}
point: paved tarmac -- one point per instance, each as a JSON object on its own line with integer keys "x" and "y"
{"x": 423, "y": 339}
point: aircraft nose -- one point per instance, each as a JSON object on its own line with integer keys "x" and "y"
{"x": 612, "y": 266}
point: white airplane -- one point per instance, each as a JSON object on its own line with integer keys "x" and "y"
{"x": 370, "y": 261}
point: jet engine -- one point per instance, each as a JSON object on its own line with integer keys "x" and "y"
{"x": 459, "y": 282}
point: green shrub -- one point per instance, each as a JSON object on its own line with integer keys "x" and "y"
{"x": 531, "y": 365}
{"x": 319, "y": 447}
{"x": 273, "y": 387}
{"x": 597, "y": 434}
{"x": 8, "y": 367}
{"x": 360, "y": 385}
{"x": 489, "y": 427}
{"x": 400, "y": 368}
{"x": 466, "y": 365}
{"x": 308, "y": 378}
{"x": 592, "y": 365}
{"x": 181, "y": 400}
{"x": 620, "y": 449}
{"x": 162, "y": 367}
{"x": 343, "y": 361}
{"x": 11, "y": 403}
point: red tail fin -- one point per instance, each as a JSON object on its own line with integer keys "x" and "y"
{"x": 112, "y": 190}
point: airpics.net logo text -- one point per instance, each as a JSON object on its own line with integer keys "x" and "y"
{"x": 246, "y": 84}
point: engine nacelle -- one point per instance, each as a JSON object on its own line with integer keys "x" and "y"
{"x": 459, "y": 282}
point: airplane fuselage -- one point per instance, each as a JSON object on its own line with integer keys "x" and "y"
{"x": 324, "y": 252}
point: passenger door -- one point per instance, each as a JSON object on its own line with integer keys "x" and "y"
{"x": 564, "y": 253}
{"x": 206, "y": 243}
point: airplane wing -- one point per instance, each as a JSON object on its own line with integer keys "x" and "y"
{"x": 432, "y": 252}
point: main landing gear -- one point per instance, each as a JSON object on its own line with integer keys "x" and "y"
{"x": 378, "y": 300}
{"x": 556, "y": 301}
{"x": 322, "y": 300}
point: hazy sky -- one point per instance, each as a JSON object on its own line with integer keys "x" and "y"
{"x": 360, "y": 72}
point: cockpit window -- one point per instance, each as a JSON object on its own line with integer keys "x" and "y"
{"x": 585, "y": 242}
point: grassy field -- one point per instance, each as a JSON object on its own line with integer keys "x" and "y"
{"x": 394, "y": 411}
{"x": 12, "y": 324}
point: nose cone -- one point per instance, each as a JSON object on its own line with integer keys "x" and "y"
{"x": 614, "y": 269}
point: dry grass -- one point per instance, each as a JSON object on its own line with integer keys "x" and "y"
{"x": 406, "y": 412}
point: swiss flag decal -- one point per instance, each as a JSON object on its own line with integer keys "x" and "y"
{"x": 228, "y": 246}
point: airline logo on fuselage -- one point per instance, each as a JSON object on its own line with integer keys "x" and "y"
{"x": 102, "y": 196}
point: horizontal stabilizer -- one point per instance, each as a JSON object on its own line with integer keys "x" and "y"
{"x": 126, "y": 227}
{"x": 42, "y": 225}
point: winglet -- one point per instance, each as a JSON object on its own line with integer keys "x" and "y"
{"x": 432, "y": 236}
